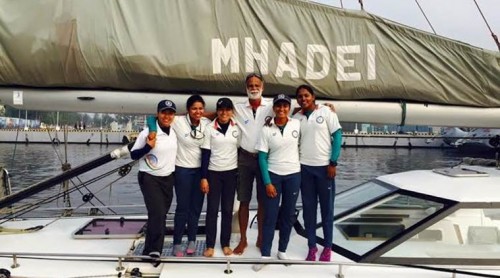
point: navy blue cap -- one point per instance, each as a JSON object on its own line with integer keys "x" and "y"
{"x": 282, "y": 98}
{"x": 224, "y": 102}
{"x": 166, "y": 105}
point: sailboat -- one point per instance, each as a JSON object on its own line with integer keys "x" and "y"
{"x": 117, "y": 56}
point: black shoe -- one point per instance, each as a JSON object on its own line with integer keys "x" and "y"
{"x": 155, "y": 259}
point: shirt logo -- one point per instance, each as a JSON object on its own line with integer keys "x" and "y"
{"x": 274, "y": 133}
{"x": 295, "y": 134}
{"x": 320, "y": 120}
{"x": 152, "y": 161}
{"x": 235, "y": 133}
{"x": 246, "y": 121}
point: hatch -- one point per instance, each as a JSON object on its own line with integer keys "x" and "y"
{"x": 111, "y": 228}
{"x": 460, "y": 172}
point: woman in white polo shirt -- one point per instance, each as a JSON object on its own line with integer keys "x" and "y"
{"x": 156, "y": 175}
{"x": 189, "y": 199}
{"x": 219, "y": 164}
{"x": 279, "y": 163}
{"x": 320, "y": 143}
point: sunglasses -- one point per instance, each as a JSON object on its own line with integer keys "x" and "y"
{"x": 259, "y": 76}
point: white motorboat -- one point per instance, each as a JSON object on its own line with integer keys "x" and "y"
{"x": 427, "y": 223}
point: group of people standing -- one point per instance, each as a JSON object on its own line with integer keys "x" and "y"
{"x": 257, "y": 141}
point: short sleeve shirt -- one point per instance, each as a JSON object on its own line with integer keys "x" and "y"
{"x": 251, "y": 126}
{"x": 160, "y": 161}
{"x": 223, "y": 147}
{"x": 315, "y": 135}
{"x": 283, "y": 149}
{"x": 189, "y": 141}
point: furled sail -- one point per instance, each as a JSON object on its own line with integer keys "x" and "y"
{"x": 208, "y": 46}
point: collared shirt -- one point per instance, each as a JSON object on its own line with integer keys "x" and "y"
{"x": 223, "y": 147}
{"x": 189, "y": 151}
{"x": 251, "y": 126}
{"x": 160, "y": 161}
{"x": 315, "y": 135}
{"x": 282, "y": 149}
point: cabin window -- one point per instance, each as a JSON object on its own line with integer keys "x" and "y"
{"x": 465, "y": 236}
{"x": 379, "y": 222}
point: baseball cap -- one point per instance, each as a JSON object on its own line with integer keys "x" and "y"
{"x": 282, "y": 98}
{"x": 166, "y": 104}
{"x": 224, "y": 102}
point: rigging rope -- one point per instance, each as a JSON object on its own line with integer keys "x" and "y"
{"x": 66, "y": 164}
{"x": 59, "y": 194}
{"x": 428, "y": 21}
{"x": 495, "y": 38}
{"x": 361, "y": 4}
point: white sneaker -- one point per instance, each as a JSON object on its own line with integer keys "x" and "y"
{"x": 283, "y": 256}
{"x": 259, "y": 267}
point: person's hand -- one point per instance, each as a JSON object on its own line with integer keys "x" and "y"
{"x": 271, "y": 191}
{"x": 204, "y": 186}
{"x": 268, "y": 121}
{"x": 331, "y": 171}
{"x": 332, "y": 107}
{"x": 151, "y": 140}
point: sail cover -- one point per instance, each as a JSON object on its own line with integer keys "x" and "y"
{"x": 208, "y": 46}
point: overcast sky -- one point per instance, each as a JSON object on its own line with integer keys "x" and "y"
{"x": 455, "y": 19}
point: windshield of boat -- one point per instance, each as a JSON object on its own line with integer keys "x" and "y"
{"x": 372, "y": 216}
{"x": 360, "y": 195}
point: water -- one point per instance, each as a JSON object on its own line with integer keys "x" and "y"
{"x": 35, "y": 162}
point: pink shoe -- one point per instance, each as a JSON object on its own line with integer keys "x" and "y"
{"x": 178, "y": 251}
{"x": 326, "y": 255}
{"x": 191, "y": 248}
{"x": 311, "y": 256}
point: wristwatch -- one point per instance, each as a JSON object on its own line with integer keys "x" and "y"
{"x": 333, "y": 163}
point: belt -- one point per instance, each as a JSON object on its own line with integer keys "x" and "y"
{"x": 247, "y": 153}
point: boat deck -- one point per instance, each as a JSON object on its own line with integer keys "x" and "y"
{"x": 54, "y": 252}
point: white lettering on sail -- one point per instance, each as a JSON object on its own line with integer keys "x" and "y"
{"x": 350, "y": 60}
{"x": 343, "y": 63}
{"x": 225, "y": 54}
{"x": 287, "y": 52}
{"x": 312, "y": 49}
{"x": 261, "y": 58}
{"x": 370, "y": 63}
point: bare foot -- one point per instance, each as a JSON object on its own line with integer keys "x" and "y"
{"x": 240, "y": 248}
{"x": 227, "y": 251}
{"x": 209, "y": 252}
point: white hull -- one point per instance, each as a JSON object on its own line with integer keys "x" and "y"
{"x": 52, "y": 252}
{"x": 96, "y": 136}
{"x": 394, "y": 141}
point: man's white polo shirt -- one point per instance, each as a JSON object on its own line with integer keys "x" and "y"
{"x": 224, "y": 148}
{"x": 283, "y": 149}
{"x": 315, "y": 135}
{"x": 250, "y": 127}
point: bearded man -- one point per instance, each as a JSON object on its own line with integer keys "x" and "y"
{"x": 250, "y": 116}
